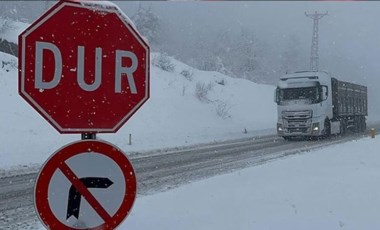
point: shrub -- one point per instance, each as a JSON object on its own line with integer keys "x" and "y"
{"x": 222, "y": 109}
{"x": 221, "y": 82}
{"x": 163, "y": 62}
{"x": 188, "y": 74}
{"x": 201, "y": 91}
{"x": 8, "y": 65}
{"x": 8, "y": 47}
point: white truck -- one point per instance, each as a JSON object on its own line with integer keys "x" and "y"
{"x": 314, "y": 104}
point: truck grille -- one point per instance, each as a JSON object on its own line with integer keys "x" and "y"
{"x": 297, "y": 121}
{"x": 297, "y": 114}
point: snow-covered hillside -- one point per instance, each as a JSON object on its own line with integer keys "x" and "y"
{"x": 187, "y": 106}
{"x": 9, "y": 29}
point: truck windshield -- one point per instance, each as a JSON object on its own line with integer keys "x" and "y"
{"x": 307, "y": 94}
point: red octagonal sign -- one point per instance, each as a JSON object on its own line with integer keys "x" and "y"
{"x": 84, "y": 67}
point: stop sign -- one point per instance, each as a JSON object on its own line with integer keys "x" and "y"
{"x": 84, "y": 67}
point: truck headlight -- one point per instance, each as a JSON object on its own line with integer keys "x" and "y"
{"x": 315, "y": 126}
{"x": 279, "y": 127}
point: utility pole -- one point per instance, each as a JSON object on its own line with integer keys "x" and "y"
{"x": 314, "y": 57}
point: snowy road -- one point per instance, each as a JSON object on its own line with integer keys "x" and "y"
{"x": 160, "y": 171}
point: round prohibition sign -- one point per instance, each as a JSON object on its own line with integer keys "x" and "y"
{"x": 94, "y": 170}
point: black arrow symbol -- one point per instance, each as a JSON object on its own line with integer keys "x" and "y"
{"x": 73, "y": 205}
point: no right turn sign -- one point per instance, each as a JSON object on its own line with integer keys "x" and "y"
{"x": 86, "y": 185}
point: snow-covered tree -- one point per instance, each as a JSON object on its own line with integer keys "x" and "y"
{"x": 25, "y": 11}
{"x": 233, "y": 54}
{"x": 205, "y": 58}
{"x": 5, "y": 25}
{"x": 246, "y": 58}
{"x": 148, "y": 24}
{"x": 222, "y": 49}
{"x": 290, "y": 57}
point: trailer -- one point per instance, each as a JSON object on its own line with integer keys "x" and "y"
{"x": 315, "y": 104}
{"x": 350, "y": 104}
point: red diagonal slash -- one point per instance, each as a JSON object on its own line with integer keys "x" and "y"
{"x": 83, "y": 190}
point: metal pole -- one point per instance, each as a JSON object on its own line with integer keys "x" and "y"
{"x": 88, "y": 136}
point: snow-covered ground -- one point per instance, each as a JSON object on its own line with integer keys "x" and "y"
{"x": 331, "y": 188}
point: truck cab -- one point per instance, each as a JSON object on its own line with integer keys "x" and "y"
{"x": 304, "y": 102}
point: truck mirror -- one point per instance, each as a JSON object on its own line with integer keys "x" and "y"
{"x": 276, "y": 95}
{"x": 324, "y": 92}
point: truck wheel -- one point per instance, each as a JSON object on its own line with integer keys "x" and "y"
{"x": 363, "y": 124}
{"x": 341, "y": 129}
{"x": 327, "y": 129}
{"x": 358, "y": 125}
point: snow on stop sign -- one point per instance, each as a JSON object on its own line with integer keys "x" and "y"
{"x": 83, "y": 67}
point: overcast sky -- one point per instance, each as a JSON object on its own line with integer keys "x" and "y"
{"x": 351, "y": 32}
